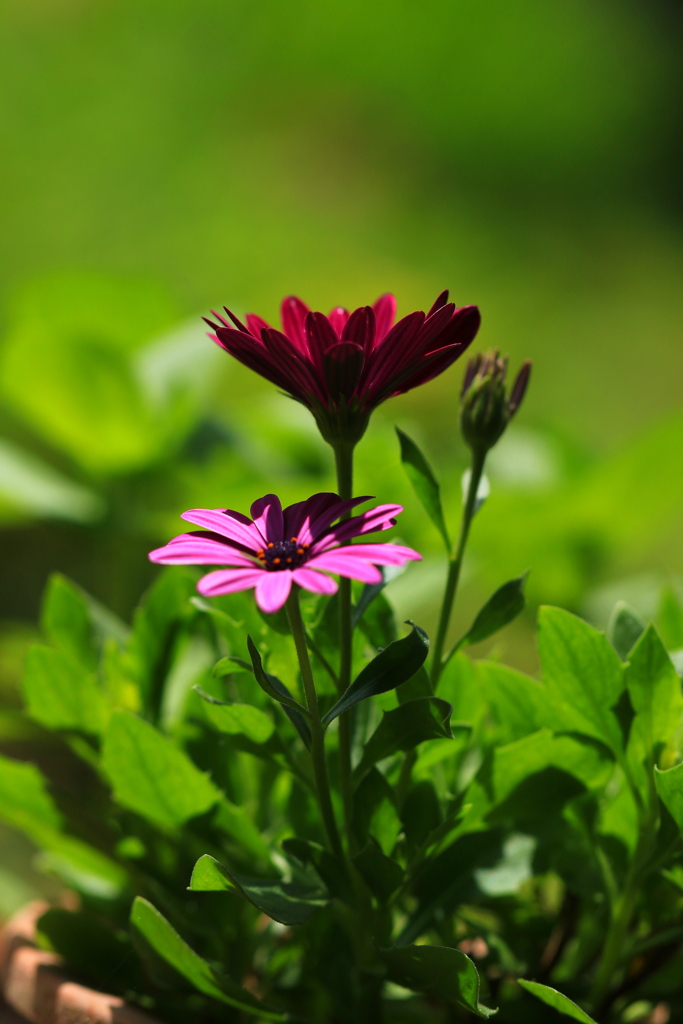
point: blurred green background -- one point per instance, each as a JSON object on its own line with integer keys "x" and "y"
{"x": 162, "y": 158}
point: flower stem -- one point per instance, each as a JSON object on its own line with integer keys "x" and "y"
{"x": 455, "y": 564}
{"x": 344, "y": 462}
{"x": 317, "y": 732}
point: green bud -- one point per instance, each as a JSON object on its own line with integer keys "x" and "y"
{"x": 485, "y": 409}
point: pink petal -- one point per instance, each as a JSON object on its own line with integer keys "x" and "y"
{"x": 268, "y": 519}
{"x": 343, "y": 565}
{"x": 293, "y": 313}
{"x": 256, "y": 325}
{"x": 272, "y": 590}
{"x": 194, "y": 551}
{"x": 379, "y": 518}
{"x": 227, "y": 581}
{"x": 385, "y": 313}
{"x": 226, "y": 525}
{"x": 380, "y": 554}
{"x": 338, "y": 317}
{"x": 316, "y": 582}
{"x": 322, "y": 521}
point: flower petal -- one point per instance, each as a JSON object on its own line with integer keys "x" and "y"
{"x": 188, "y": 550}
{"x": 320, "y": 523}
{"x": 296, "y": 514}
{"x": 256, "y": 325}
{"x": 360, "y": 328}
{"x": 272, "y": 590}
{"x": 224, "y": 522}
{"x": 316, "y": 582}
{"x": 228, "y": 581}
{"x": 338, "y": 317}
{"x": 342, "y": 564}
{"x": 293, "y": 314}
{"x": 440, "y": 301}
{"x": 268, "y": 519}
{"x": 385, "y": 314}
{"x": 380, "y": 554}
{"x": 379, "y": 518}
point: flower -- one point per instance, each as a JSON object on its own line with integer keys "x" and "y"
{"x": 485, "y": 409}
{"x": 343, "y": 365}
{"x": 278, "y": 547}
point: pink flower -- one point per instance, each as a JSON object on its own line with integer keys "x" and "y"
{"x": 278, "y": 547}
{"x": 343, "y": 365}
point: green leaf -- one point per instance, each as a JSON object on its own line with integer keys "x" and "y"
{"x": 151, "y": 926}
{"x": 375, "y": 813}
{"x": 368, "y": 594}
{"x": 87, "y": 944}
{"x": 378, "y": 623}
{"x": 25, "y": 803}
{"x": 500, "y": 609}
{"x": 285, "y": 902}
{"x": 515, "y": 762}
{"x": 516, "y": 699}
{"x": 329, "y": 868}
{"x": 236, "y": 822}
{"x": 424, "y": 482}
{"x": 382, "y": 874}
{"x": 418, "y": 686}
{"x": 584, "y": 678}
{"x": 65, "y": 620}
{"x": 655, "y": 692}
{"x": 61, "y": 694}
{"x": 558, "y": 1001}
{"x": 427, "y": 718}
{"x": 151, "y": 776}
{"x": 439, "y": 971}
{"x": 420, "y": 813}
{"x": 235, "y": 719}
{"x": 80, "y": 866}
{"x": 396, "y": 664}
{"x": 670, "y": 619}
{"x": 164, "y": 607}
{"x": 625, "y": 626}
{"x": 267, "y": 682}
{"x": 669, "y": 785}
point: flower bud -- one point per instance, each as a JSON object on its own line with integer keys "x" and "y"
{"x": 485, "y": 409}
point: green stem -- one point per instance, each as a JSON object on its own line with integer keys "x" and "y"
{"x": 455, "y": 565}
{"x": 322, "y": 783}
{"x": 344, "y": 462}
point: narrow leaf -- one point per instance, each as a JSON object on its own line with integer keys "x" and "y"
{"x": 396, "y": 664}
{"x": 439, "y": 971}
{"x": 164, "y": 940}
{"x": 500, "y": 609}
{"x": 285, "y": 902}
{"x": 280, "y": 693}
{"x": 427, "y": 718}
{"x": 424, "y": 483}
{"x": 625, "y": 627}
{"x": 237, "y": 719}
{"x": 151, "y": 775}
{"x": 558, "y": 1001}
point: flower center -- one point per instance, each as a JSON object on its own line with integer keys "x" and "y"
{"x": 285, "y": 554}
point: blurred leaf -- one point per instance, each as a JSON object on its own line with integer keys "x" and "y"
{"x": 516, "y": 699}
{"x": 375, "y": 813}
{"x": 34, "y": 488}
{"x": 424, "y": 482}
{"x": 670, "y": 618}
{"x": 551, "y": 997}
{"x": 624, "y": 628}
{"x": 65, "y": 620}
{"x": 237, "y": 823}
{"x": 60, "y": 694}
{"x": 88, "y": 945}
{"x": 330, "y": 869}
{"x": 408, "y": 725}
{"x": 516, "y": 761}
{"x": 25, "y": 803}
{"x": 367, "y": 596}
{"x": 583, "y": 675}
{"x": 669, "y": 785}
{"x": 267, "y": 683}
{"x": 460, "y": 686}
{"x": 439, "y": 971}
{"x": 237, "y": 718}
{"x": 151, "y": 776}
{"x": 285, "y": 902}
{"x": 655, "y": 692}
{"x": 394, "y": 665}
{"x": 418, "y": 686}
{"x": 152, "y": 927}
{"x": 378, "y": 623}
{"x": 420, "y": 813}
{"x": 500, "y": 609}
{"x": 163, "y": 609}
{"x": 382, "y": 874}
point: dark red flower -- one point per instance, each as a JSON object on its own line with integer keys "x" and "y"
{"x": 343, "y": 365}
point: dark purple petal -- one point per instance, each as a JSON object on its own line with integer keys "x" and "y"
{"x": 227, "y": 581}
{"x": 380, "y": 518}
{"x": 238, "y": 323}
{"x": 216, "y": 520}
{"x": 303, "y": 512}
{"x": 299, "y": 372}
{"x": 268, "y": 518}
{"x": 519, "y": 388}
{"x": 293, "y": 314}
{"x": 342, "y": 367}
{"x": 343, "y": 565}
{"x": 385, "y": 314}
{"x": 440, "y": 301}
{"x": 360, "y": 328}
{"x": 253, "y": 354}
{"x": 256, "y": 324}
{"x": 433, "y": 326}
{"x": 272, "y": 590}
{"x": 316, "y": 582}
{"x": 324, "y": 519}
{"x": 392, "y": 354}
{"x": 321, "y": 336}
